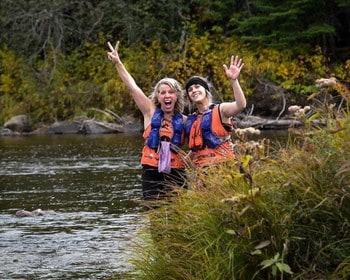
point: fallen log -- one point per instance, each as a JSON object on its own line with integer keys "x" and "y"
{"x": 269, "y": 124}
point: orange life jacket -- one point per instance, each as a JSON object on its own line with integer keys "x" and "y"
{"x": 150, "y": 156}
{"x": 210, "y": 147}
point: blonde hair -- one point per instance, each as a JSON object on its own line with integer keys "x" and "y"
{"x": 175, "y": 85}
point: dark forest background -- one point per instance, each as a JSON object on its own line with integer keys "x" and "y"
{"x": 53, "y": 62}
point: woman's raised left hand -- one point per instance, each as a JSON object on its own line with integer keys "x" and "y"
{"x": 235, "y": 68}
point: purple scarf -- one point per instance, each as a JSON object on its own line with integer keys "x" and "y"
{"x": 164, "y": 164}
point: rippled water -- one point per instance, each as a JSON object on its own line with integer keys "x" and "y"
{"x": 93, "y": 185}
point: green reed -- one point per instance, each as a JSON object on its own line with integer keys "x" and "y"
{"x": 285, "y": 216}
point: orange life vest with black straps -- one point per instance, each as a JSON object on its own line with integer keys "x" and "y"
{"x": 208, "y": 138}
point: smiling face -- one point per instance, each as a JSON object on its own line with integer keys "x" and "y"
{"x": 197, "y": 93}
{"x": 167, "y": 98}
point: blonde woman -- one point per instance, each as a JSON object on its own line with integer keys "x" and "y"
{"x": 162, "y": 165}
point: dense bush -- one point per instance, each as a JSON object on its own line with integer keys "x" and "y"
{"x": 85, "y": 79}
{"x": 283, "y": 215}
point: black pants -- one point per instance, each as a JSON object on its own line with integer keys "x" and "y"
{"x": 156, "y": 185}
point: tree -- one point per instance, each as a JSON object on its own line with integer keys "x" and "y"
{"x": 291, "y": 22}
{"x": 36, "y": 27}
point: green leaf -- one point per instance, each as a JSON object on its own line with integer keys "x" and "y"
{"x": 276, "y": 257}
{"x": 256, "y": 252}
{"x": 267, "y": 263}
{"x": 245, "y": 160}
{"x": 274, "y": 270}
{"x": 231, "y": 231}
{"x": 283, "y": 267}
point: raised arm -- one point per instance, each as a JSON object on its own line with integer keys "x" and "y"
{"x": 145, "y": 105}
{"x": 230, "y": 109}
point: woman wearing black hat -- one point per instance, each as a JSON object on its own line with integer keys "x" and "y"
{"x": 209, "y": 128}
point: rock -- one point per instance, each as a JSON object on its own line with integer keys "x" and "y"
{"x": 7, "y": 132}
{"x": 271, "y": 100}
{"x": 64, "y": 127}
{"x": 85, "y": 126}
{"x": 24, "y": 213}
{"x": 36, "y": 212}
{"x": 94, "y": 127}
{"x": 18, "y": 123}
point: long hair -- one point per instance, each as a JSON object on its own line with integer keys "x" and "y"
{"x": 175, "y": 85}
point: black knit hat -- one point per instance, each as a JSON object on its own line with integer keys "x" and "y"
{"x": 195, "y": 80}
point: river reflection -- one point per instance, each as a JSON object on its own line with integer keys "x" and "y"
{"x": 93, "y": 185}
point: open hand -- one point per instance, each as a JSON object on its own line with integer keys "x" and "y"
{"x": 235, "y": 68}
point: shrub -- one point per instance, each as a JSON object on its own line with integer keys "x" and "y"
{"x": 279, "y": 216}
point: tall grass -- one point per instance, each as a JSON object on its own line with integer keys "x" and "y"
{"x": 285, "y": 216}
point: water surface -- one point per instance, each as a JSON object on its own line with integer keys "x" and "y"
{"x": 93, "y": 185}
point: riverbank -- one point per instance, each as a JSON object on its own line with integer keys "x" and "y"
{"x": 19, "y": 125}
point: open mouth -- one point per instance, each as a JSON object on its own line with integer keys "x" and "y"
{"x": 168, "y": 104}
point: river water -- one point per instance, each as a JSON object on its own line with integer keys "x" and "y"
{"x": 93, "y": 185}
